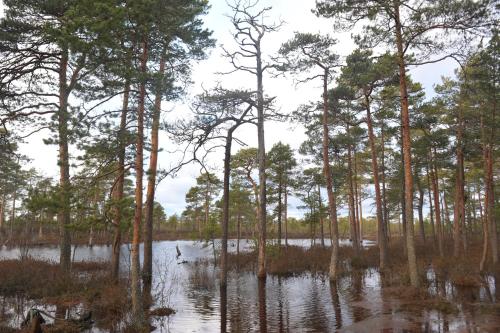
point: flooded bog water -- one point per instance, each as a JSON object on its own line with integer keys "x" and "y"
{"x": 305, "y": 303}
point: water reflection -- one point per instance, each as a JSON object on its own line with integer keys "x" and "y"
{"x": 306, "y": 303}
{"x": 262, "y": 305}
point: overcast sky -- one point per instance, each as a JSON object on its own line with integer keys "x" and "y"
{"x": 297, "y": 17}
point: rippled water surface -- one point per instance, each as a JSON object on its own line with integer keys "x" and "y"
{"x": 306, "y": 303}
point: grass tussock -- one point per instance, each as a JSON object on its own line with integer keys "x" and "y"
{"x": 462, "y": 271}
{"x": 41, "y": 280}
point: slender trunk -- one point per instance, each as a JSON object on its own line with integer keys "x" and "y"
{"x": 286, "y": 215}
{"x": 225, "y": 209}
{"x": 491, "y": 199}
{"x": 311, "y": 220}
{"x": 489, "y": 202}
{"x": 332, "y": 205}
{"x": 384, "y": 196}
{"x": 357, "y": 200}
{"x": 256, "y": 196}
{"x": 118, "y": 192}
{"x": 136, "y": 295}
{"x": 352, "y": 211}
{"x": 402, "y": 198}
{"x": 458, "y": 216}
{"x": 64, "y": 180}
{"x": 322, "y": 229}
{"x": 40, "y": 227}
{"x": 280, "y": 210}
{"x": 91, "y": 236}
{"x": 207, "y": 205}
{"x": 420, "y": 209}
{"x": 2, "y": 214}
{"x": 378, "y": 197}
{"x": 147, "y": 270}
{"x": 431, "y": 207}
{"x": 360, "y": 218}
{"x": 487, "y": 213}
{"x": 479, "y": 202}
{"x": 435, "y": 189}
{"x": 13, "y": 210}
{"x": 262, "y": 167}
{"x": 405, "y": 122}
{"x": 238, "y": 232}
{"x": 446, "y": 211}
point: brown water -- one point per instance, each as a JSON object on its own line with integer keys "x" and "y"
{"x": 305, "y": 303}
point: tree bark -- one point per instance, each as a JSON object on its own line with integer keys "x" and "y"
{"x": 280, "y": 210}
{"x": 136, "y": 295}
{"x": 357, "y": 201}
{"x": 489, "y": 202}
{"x": 352, "y": 209}
{"x": 64, "y": 180}
{"x": 408, "y": 179}
{"x": 2, "y": 215}
{"x": 459, "y": 216}
{"x": 262, "y": 166}
{"x": 437, "y": 207}
{"x": 421, "y": 209}
{"x": 384, "y": 196}
{"x": 431, "y": 206}
{"x": 147, "y": 270}
{"x": 13, "y": 209}
{"x": 378, "y": 197}
{"x": 256, "y": 196}
{"x": 225, "y": 209}
{"x": 332, "y": 205}
{"x": 238, "y": 232}
{"x": 286, "y": 215}
{"x": 118, "y": 193}
{"x": 322, "y": 229}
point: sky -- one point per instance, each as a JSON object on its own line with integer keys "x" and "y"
{"x": 297, "y": 17}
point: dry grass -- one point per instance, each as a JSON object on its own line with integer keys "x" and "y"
{"x": 293, "y": 260}
{"x": 45, "y": 281}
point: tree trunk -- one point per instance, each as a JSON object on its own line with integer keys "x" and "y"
{"x": 435, "y": 189}
{"x": 118, "y": 192}
{"x": 405, "y": 122}
{"x": 262, "y": 167}
{"x": 357, "y": 200}
{"x": 484, "y": 254}
{"x": 332, "y": 205}
{"x": 446, "y": 211}
{"x": 322, "y": 229}
{"x": 2, "y": 214}
{"x": 256, "y": 196}
{"x": 64, "y": 180}
{"x": 421, "y": 209}
{"x": 91, "y": 236}
{"x": 13, "y": 210}
{"x": 280, "y": 210}
{"x": 381, "y": 234}
{"x": 384, "y": 196}
{"x": 431, "y": 207}
{"x": 489, "y": 202}
{"x": 136, "y": 295}
{"x": 286, "y": 215}
{"x": 459, "y": 216}
{"x": 352, "y": 210}
{"x": 225, "y": 209}
{"x": 238, "y": 232}
{"x": 147, "y": 270}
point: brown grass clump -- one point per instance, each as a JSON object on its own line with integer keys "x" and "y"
{"x": 161, "y": 312}
{"x": 45, "y": 281}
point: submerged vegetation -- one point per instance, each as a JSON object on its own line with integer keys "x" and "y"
{"x": 382, "y": 174}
